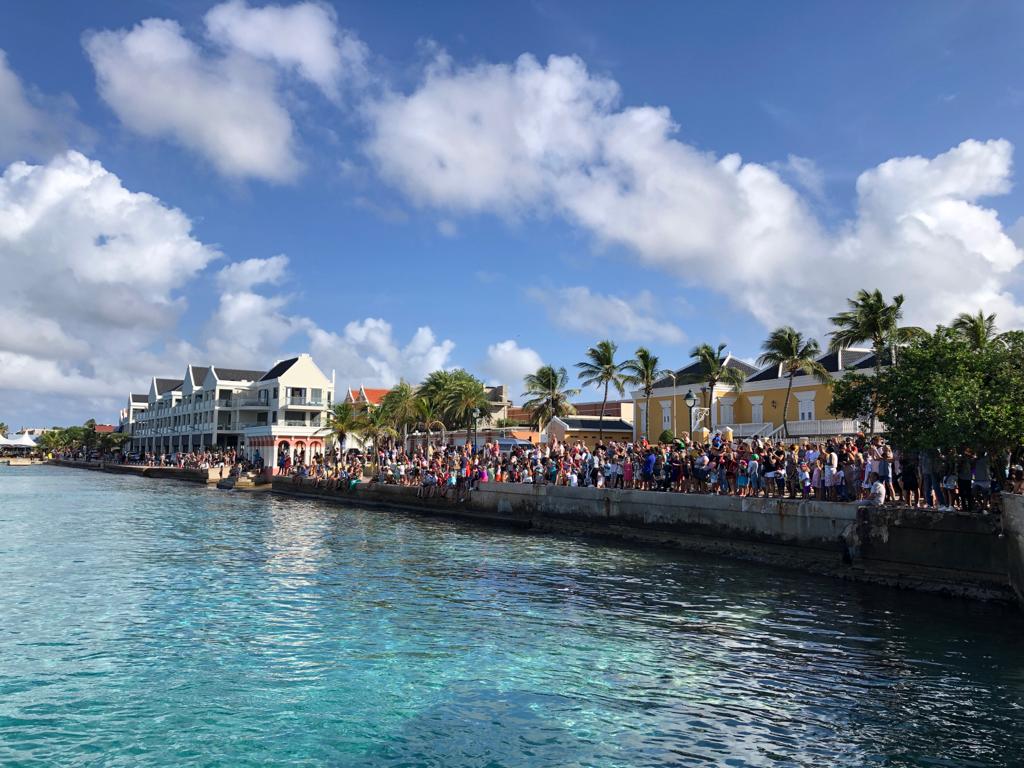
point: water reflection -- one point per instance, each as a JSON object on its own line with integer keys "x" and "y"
{"x": 159, "y": 625}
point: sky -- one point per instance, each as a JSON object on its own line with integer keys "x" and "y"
{"x": 400, "y": 187}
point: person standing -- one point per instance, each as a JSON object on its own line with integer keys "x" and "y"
{"x": 965, "y": 479}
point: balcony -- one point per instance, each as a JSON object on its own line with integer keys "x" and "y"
{"x": 251, "y": 403}
{"x": 305, "y": 401}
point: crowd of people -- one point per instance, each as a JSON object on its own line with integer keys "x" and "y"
{"x": 862, "y": 469}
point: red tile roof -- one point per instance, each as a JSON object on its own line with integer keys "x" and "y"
{"x": 374, "y": 396}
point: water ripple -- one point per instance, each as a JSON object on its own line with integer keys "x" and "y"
{"x": 150, "y": 624}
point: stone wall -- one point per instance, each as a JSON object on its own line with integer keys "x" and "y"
{"x": 944, "y": 552}
{"x": 1013, "y": 524}
{"x": 165, "y": 473}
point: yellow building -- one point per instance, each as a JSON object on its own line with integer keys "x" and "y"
{"x": 753, "y": 410}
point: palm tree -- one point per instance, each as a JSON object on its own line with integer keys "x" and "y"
{"x": 437, "y": 389}
{"x": 870, "y": 318}
{"x": 3, "y": 429}
{"x": 378, "y": 427}
{"x": 402, "y": 403}
{"x": 428, "y": 418}
{"x": 601, "y": 370}
{"x": 465, "y": 395}
{"x": 549, "y": 393}
{"x": 787, "y": 348}
{"x": 643, "y": 371}
{"x": 716, "y": 369}
{"x": 343, "y": 420}
{"x": 979, "y": 330}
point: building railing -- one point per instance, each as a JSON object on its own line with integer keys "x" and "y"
{"x": 304, "y": 401}
{"x": 252, "y": 401}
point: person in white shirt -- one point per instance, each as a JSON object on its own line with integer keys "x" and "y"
{"x": 877, "y": 495}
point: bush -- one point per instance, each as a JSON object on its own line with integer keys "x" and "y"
{"x": 666, "y": 436}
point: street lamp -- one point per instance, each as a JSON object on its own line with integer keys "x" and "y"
{"x": 674, "y": 433}
{"x": 707, "y": 401}
{"x": 476, "y": 416}
{"x": 690, "y": 402}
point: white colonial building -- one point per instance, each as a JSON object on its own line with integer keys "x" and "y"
{"x": 265, "y": 413}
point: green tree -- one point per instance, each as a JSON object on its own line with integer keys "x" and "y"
{"x": 713, "y": 361}
{"x": 402, "y": 404}
{"x": 601, "y": 370}
{"x": 871, "y": 319}
{"x": 429, "y": 419}
{"x": 465, "y": 395}
{"x": 440, "y": 390}
{"x": 378, "y": 428}
{"x": 343, "y": 420}
{"x": 787, "y": 348}
{"x": 644, "y": 371}
{"x": 979, "y": 329}
{"x": 947, "y": 393}
{"x": 548, "y": 391}
{"x": 3, "y": 429}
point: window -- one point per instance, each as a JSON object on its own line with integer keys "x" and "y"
{"x": 666, "y": 414}
{"x": 805, "y": 406}
{"x": 725, "y": 406}
{"x": 316, "y": 395}
{"x": 263, "y": 396}
{"x": 757, "y": 413}
{"x": 275, "y": 393}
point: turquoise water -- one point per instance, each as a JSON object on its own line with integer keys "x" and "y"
{"x": 149, "y": 623}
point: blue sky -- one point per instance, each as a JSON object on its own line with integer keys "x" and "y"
{"x": 518, "y": 209}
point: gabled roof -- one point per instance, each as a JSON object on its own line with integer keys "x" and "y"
{"x": 236, "y": 374}
{"x": 198, "y": 373}
{"x": 278, "y": 370}
{"x": 167, "y": 385}
{"x": 139, "y": 398}
{"x": 373, "y": 396}
{"x": 834, "y": 362}
{"x": 590, "y": 423}
{"x": 696, "y": 372}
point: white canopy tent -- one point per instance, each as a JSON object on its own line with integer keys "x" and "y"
{"x": 24, "y": 440}
{"x": 4, "y": 442}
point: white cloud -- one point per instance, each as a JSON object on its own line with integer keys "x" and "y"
{"x": 304, "y": 36}
{"x": 447, "y": 228}
{"x": 806, "y": 173}
{"x": 507, "y": 363}
{"x": 531, "y": 138}
{"x": 32, "y": 126}
{"x": 91, "y": 276}
{"x": 634, "y": 318}
{"x": 227, "y": 104}
{"x": 366, "y": 352}
{"x": 243, "y": 275}
{"x": 161, "y": 85}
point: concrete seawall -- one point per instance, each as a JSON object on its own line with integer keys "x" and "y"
{"x": 1013, "y": 522}
{"x": 916, "y": 549}
{"x": 163, "y": 473}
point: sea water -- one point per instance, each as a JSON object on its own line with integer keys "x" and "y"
{"x": 155, "y": 623}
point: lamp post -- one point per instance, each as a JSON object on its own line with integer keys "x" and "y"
{"x": 674, "y": 433}
{"x": 690, "y": 402}
{"x": 476, "y": 416}
{"x": 707, "y": 401}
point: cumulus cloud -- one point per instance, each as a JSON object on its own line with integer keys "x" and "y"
{"x": 91, "y": 275}
{"x": 633, "y": 318}
{"x": 227, "y": 104}
{"x": 304, "y": 36}
{"x": 94, "y": 274}
{"x": 366, "y": 352}
{"x": 532, "y": 138}
{"x": 243, "y": 275}
{"x": 507, "y": 363}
